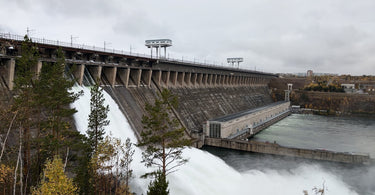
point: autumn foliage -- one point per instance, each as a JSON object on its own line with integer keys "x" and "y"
{"x": 54, "y": 180}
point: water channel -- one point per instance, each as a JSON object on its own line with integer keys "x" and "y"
{"x": 343, "y": 134}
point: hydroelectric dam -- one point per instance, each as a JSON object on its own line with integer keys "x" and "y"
{"x": 210, "y": 97}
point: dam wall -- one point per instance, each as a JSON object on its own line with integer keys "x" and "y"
{"x": 196, "y": 105}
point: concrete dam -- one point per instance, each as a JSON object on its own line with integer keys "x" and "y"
{"x": 204, "y": 91}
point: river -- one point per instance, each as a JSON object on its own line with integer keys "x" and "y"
{"x": 342, "y": 134}
{"x": 215, "y": 171}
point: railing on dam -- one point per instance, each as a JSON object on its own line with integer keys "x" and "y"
{"x": 258, "y": 127}
{"x": 71, "y": 45}
{"x": 58, "y": 43}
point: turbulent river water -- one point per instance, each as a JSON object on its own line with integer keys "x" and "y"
{"x": 217, "y": 171}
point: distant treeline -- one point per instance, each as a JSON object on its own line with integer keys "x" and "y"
{"x": 323, "y": 87}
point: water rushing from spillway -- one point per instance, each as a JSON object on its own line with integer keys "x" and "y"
{"x": 208, "y": 174}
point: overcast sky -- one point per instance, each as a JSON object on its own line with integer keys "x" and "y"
{"x": 334, "y": 36}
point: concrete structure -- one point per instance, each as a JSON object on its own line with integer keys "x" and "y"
{"x": 158, "y": 44}
{"x": 309, "y": 73}
{"x": 10, "y": 66}
{"x": 234, "y": 61}
{"x": 369, "y": 88}
{"x": 273, "y": 148}
{"x": 239, "y": 123}
{"x": 349, "y": 88}
{"x": 288, "y": 91}
{"x": 246, "y": 135}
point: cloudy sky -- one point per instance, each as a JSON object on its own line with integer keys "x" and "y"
{"x": 335, "y": 36}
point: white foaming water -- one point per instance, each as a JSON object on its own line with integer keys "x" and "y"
{"x": 206, "y": 173}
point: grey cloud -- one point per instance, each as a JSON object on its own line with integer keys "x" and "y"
{"x": 72, "y": 8}
{"x": 273, "y": 35}
{"x": 138, "y": 24}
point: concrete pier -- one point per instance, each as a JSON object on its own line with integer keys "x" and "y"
{"x": 124, "y": 74}
{"x": 78, "y": 73}
{"x": 147, "y": 77}
{"x": 38, "y": 68}
{"x": 95, "y": 71}
{"x": 110, "y": 73}
{"x": 275, "y": 149}
{"x": 9, "y": 73}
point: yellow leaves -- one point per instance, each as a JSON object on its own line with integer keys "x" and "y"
{"x": 5, "y": 173}
{"x": 54, "y": 180}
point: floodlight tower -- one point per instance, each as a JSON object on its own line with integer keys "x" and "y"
{"x": 234, "y": 61}
{"x": 287, "y": 92}
{"x": 158, "y": 44}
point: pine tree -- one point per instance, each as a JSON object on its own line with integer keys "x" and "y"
{"x": 55, "y": 98}
{"x": 84, "y": 174}
{"x": 54, "y": 180}
{"x": 98, "y": 116}
{"x": 25, "y": 101}
{"x": 53, "y": 113}
{"x": 159, "y": 186}
{"x": 163, "y": 137}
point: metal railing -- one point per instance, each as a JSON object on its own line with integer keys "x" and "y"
{"x": 71, "y": 45}
{"x": 206, "y": 64}
{"x": 247, "y": 130}
{"x": 202, "y": 63}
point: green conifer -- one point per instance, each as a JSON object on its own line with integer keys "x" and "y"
{"x": 98, "y": 116}
{"x": 25, "y": 99}
{"x": 163, "y": 136}
{"x": 159, "y": 186}
{"x": 55, "y": 98}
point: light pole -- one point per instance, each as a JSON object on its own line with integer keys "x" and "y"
{"x": 28, "y": 31}
{"x": 71, "y": 40}
{"x": 106, "y": 44}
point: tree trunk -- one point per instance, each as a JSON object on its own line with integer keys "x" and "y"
{"x": 66, "y": 157}
{"x": 10, "y": 127}
{"x": 21, "y": 177}
{"x": 15, "y": 171}
{"x": 25, "y": 162}
{"x": 164, "y": 158}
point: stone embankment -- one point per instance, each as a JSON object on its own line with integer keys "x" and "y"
{"x": 275, "y": 149}
{"x": 336, "y": 103}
